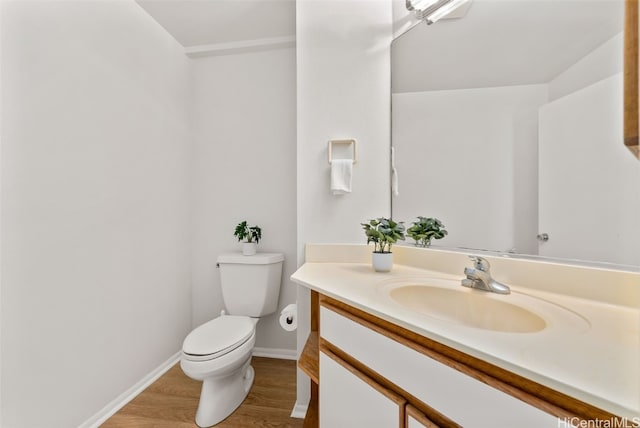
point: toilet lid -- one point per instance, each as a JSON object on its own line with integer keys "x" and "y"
{"x": 219, "y": 336}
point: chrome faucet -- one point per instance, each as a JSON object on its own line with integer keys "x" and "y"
{"x": 480, "y": 277}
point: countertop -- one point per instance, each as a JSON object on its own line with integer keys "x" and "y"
{"x": 593, "y": 355}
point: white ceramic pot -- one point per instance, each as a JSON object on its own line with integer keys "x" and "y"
{"x": 249, "y": 248}
{"x": 382, "y": 262}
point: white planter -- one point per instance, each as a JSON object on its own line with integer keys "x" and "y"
{"x": 249, "y": 248}
{"x": 382, "y": 262}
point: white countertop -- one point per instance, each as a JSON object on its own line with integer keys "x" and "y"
{"x": 596, "y": 361}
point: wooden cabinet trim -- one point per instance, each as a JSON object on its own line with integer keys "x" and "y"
{"x": 308, "y": 361}
{"x": 532, "y": 393}
{"x": 418, "y": 416}
{"x": 439, "y": 418}
{"x": 315, "y": 308}
{"x": 397, "y": 399}
{"x": 312, "y": 418}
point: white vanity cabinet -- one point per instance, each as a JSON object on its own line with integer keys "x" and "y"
{"x": 454, "y": 397}
{"x": 351, "y": 399}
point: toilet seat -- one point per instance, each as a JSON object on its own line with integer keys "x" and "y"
{"x": 218, "y": 337}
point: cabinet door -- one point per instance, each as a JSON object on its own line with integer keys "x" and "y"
{"x": 459, "y": 397}
{"x": 417, "y": 419}
{"x": 349, "y": 399}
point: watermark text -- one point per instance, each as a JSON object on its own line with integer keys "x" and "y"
{"x": 576, "y": 422}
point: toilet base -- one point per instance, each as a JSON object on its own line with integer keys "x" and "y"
{"x": 221, "y": 396}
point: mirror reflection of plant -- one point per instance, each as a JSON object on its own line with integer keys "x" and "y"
{"x": 426, "y": 229}
{"x": 248, "y": 233}
{"x": 383, "y": 232}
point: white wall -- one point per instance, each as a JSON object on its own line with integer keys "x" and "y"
{"x": 244, "y": 122}
{"x": 592, "y": 212}
{"x": 490, "y": 134}
{"x": 602, "y": 62}
{"x": 1, "y": 234}
{"x": 343, "y": 91}
{"x": 95, "y": 206}
{"x": 581, "y": 127}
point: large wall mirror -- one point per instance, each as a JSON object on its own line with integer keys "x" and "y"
{"x": 506, "y": 126}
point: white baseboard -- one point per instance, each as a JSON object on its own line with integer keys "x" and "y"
{"x": 282, "y": 354}
{"x": 119, "y": 402}
{"x": 299, "y": 410}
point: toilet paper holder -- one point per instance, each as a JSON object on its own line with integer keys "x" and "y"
{"x": 288, "y": 317}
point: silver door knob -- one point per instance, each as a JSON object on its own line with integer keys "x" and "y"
{"x": 543, "y": 237}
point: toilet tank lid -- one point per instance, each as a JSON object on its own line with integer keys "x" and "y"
{"x": 256, "y": 259}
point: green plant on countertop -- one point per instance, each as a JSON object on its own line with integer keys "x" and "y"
{"x": 247, "y": 233}
{"x": 426, "y": 229}
{"x": 383, "y": 232}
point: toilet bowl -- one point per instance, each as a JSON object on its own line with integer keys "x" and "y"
{"x": 218, "y": 353}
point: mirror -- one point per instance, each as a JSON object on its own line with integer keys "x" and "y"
{"x": 506, "y": 126}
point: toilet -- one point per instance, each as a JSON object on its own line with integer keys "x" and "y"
{"x": 218, "y": 352}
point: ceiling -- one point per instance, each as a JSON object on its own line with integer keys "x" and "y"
{"x": 206, "y": 22}
{"x": 497, "y": 42}
{"x": 502, "y": 43}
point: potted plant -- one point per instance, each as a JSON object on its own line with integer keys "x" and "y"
{"x": 383, "y": 232}
{"x": 426, "y": 229}
{"x": 251, "y": 235}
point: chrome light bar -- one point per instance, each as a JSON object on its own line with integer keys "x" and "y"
{"x": 431, "y": 11}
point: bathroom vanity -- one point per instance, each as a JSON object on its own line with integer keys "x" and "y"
{"x": 413, "y": 348}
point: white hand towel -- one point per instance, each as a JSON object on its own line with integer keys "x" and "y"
{"x": 341, "y": 176}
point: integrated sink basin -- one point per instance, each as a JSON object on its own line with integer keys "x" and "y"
{"x": 447, "y": 300}
{"x": 469, "y": 308}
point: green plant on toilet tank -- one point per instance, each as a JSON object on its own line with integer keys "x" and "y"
{"x": 383, "y": 232}
{"x": 426, "y": 229}
{"x": 250, "y": 235}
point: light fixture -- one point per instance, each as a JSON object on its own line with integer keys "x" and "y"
{"x": 432, "y": 10}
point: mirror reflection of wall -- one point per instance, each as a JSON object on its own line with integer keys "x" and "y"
{"x": 506, "y": 124}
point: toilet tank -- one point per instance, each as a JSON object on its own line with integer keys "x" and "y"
{"x": 250, "y": 284}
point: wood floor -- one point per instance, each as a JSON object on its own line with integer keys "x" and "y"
{"x": 172, "y": 401}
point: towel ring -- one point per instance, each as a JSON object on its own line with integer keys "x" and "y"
{"x": 352, "y": 142}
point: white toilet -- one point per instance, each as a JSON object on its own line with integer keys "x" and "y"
{"x": 219, "y": 351}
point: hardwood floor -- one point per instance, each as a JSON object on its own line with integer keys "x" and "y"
{"x": 172, "y": 401}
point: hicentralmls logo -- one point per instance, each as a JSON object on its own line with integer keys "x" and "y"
{"x": 576, "y": 422}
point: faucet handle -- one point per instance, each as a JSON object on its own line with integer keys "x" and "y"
{"x": 480, "y": 263}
